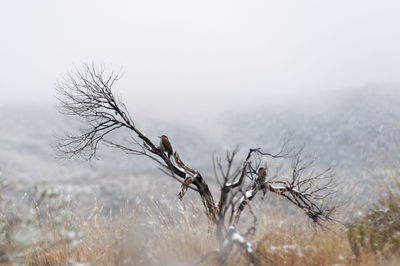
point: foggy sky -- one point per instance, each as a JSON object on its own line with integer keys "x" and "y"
{"x": 200, "y": 52}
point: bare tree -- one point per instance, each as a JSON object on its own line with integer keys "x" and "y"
{"x": 88, "y": 93}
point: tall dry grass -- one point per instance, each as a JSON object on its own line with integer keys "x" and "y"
{"x": 137, "y": 235}
{"x": 296, "y": 242}
{"x": 378, "y": 230}
{"x": 158, "y": 235}
{"x": 159, "y": 232}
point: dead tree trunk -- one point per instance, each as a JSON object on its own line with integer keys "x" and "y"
{"x": 88, "y": 94}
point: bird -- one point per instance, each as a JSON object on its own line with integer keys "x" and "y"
{"x": 165, "y": 145}
{"x": 261, "y": 174}
{"x": 260, "y": 180}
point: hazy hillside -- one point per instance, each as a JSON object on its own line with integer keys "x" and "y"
{"x": 348, "y": 130}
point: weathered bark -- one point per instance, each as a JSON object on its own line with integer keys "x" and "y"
{"x": 88, "y": 94}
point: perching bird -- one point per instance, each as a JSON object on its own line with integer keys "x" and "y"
{"x": 261, "y": 174}
{"x": 165, "y": 145}
{"x": 260, "y": 179}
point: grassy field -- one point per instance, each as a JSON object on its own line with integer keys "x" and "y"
{"x": 46, "y": 228}
{"x": 56, "y": 234}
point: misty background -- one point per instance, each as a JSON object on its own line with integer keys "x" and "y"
{"x": 210, "y": 75}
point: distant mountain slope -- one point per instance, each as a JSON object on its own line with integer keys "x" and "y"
{"x": 28, "y": 135}
{"x": 349, "y": 130}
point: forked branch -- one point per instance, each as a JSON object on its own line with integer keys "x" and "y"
{"x": 88, "y": 94}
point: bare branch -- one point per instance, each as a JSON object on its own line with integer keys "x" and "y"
{"x": 88, "y": 94}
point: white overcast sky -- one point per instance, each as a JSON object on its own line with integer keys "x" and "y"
{"x": 200, "y": 51}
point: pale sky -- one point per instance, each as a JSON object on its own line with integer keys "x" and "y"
{"x": 200, "y": 52}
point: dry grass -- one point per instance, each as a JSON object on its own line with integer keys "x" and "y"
{"x": 161, "y": 233}
{"x": 152, "y": 235}
{"x": 157, "y": 235}
{"x": 298, "y": 244}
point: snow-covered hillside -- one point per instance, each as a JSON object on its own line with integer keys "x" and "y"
{"x": 349, "y": 130}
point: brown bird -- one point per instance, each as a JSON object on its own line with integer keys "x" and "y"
{"x": 260, "y": 179}
{"x": 261, "y": 176}
{"x": 165, "y": 145}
